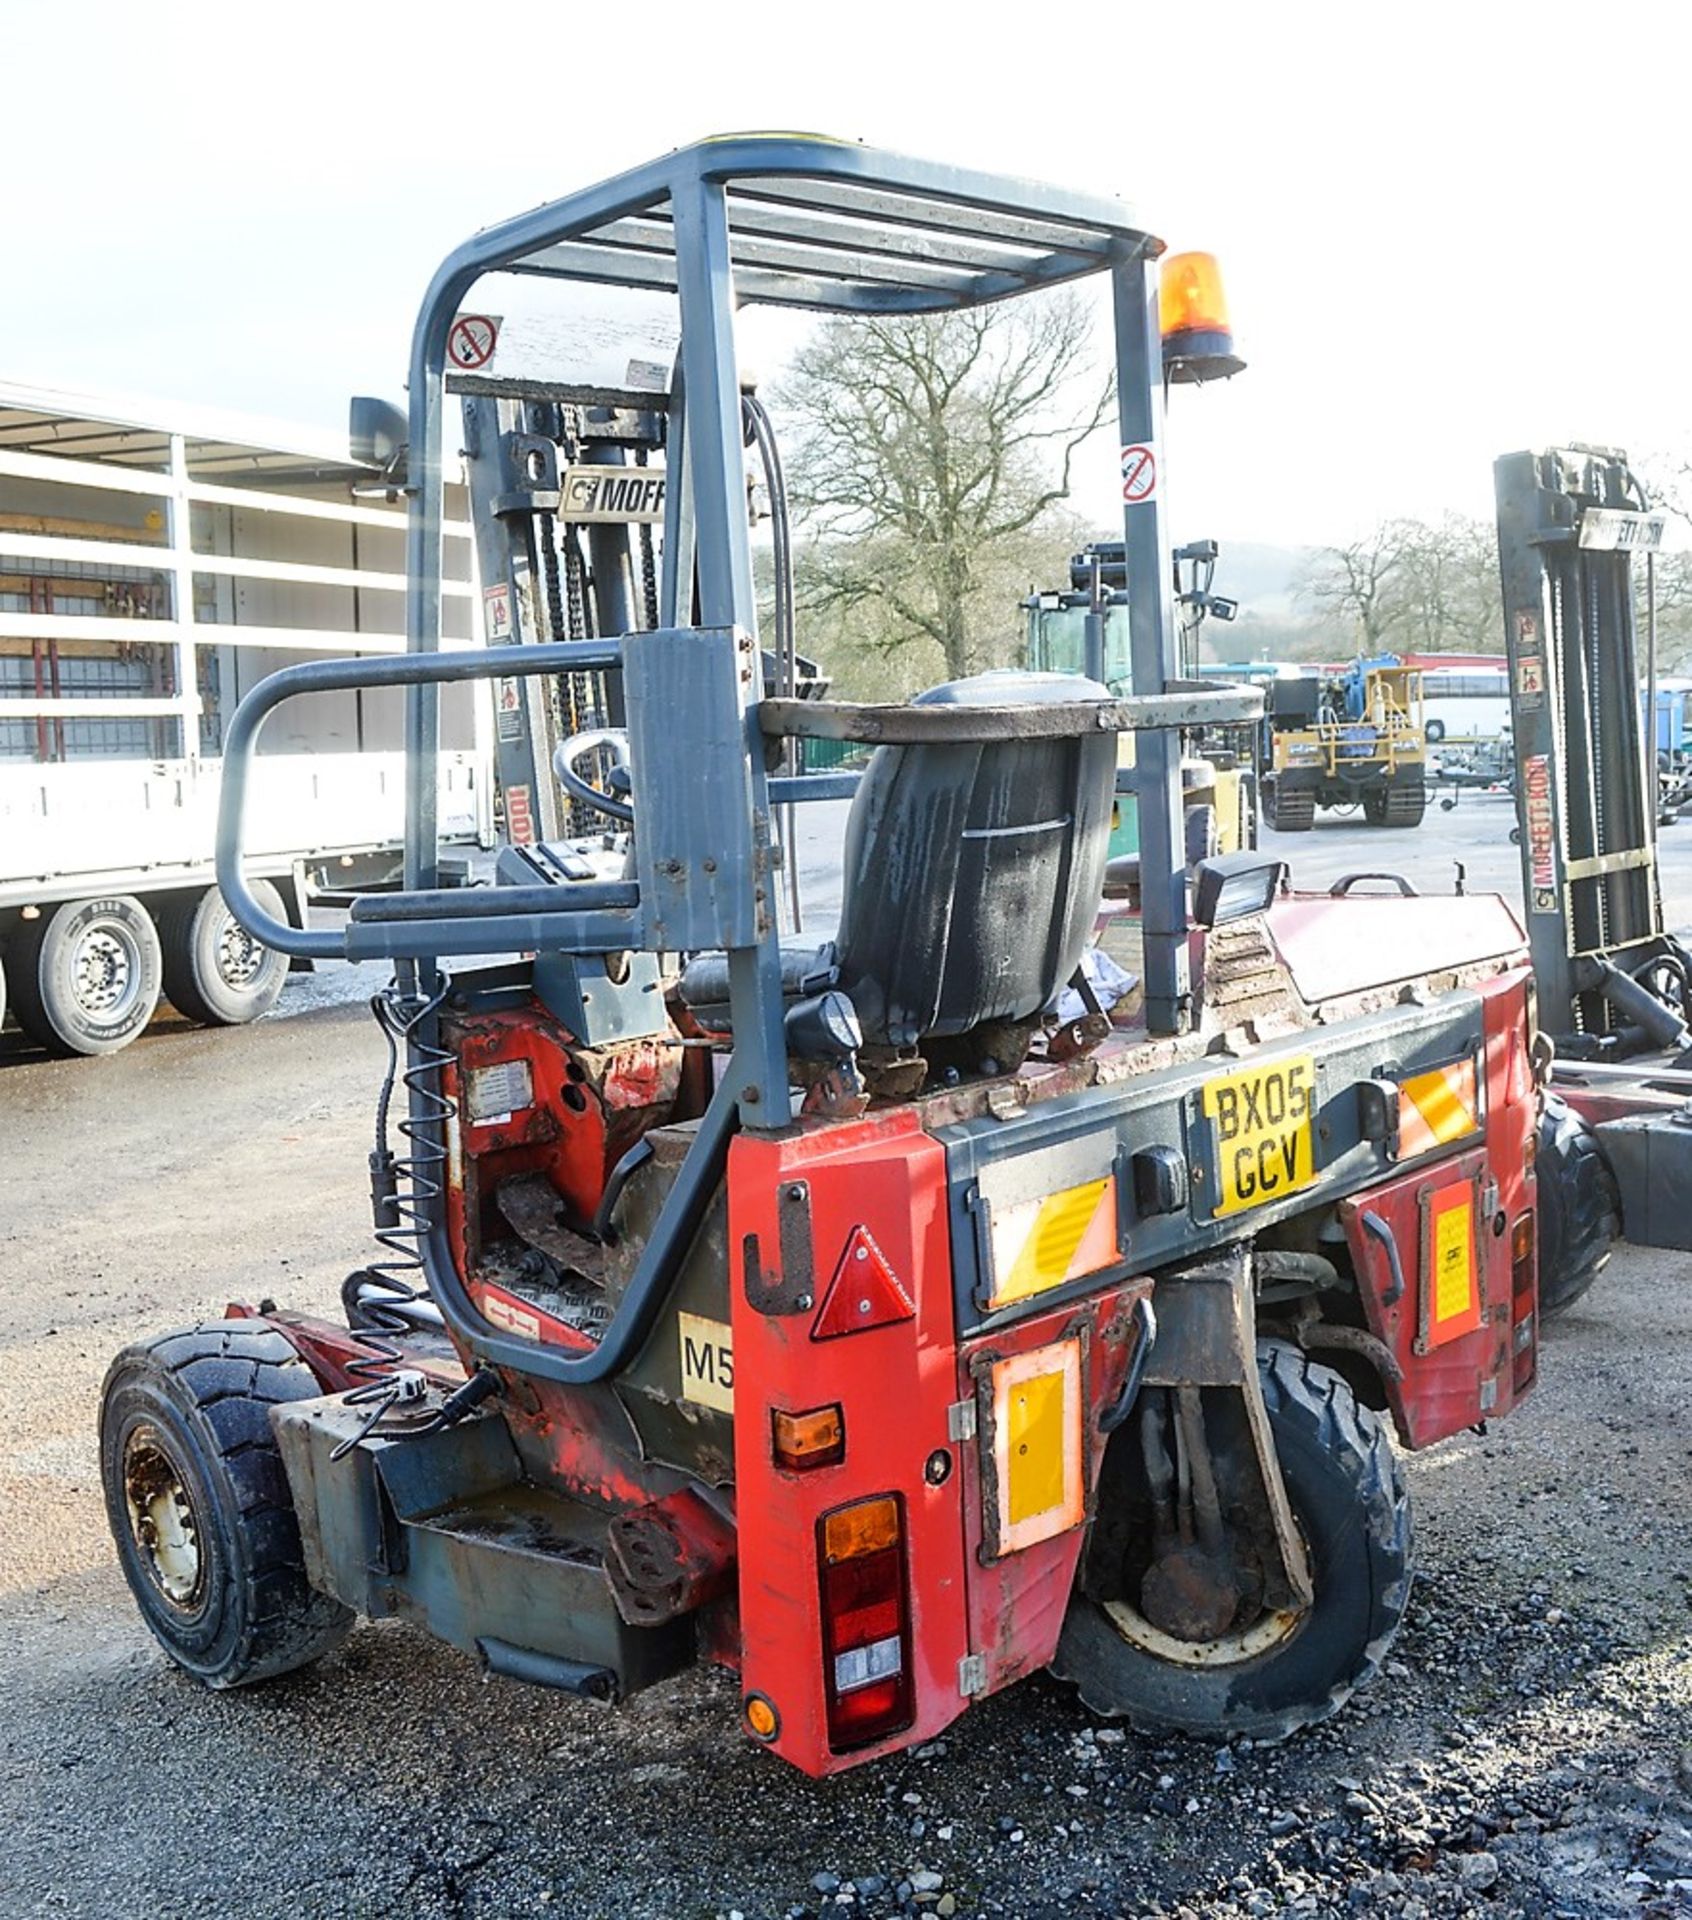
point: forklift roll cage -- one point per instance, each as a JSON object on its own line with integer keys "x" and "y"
{"x": 794, "y": 221}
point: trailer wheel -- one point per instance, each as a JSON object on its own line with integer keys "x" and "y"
{"x": 1276, "y": 1672}
{"x": 215, "y": 972}
{"x": 86, "y": 978}
{"x": 198, "y": 1502}
{"x": 1579, "y": 1207}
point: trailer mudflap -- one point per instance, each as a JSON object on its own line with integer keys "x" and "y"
{"x": 1038, "y": 1391}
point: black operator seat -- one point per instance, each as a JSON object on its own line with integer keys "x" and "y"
{"x": 973, "y": 872}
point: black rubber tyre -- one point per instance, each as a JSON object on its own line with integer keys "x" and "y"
{"x": 1349, "y": 1499}
{"x": 1203, "y": 836}
{"x": 214, "y": 971}
{"x": 86, "y": 977}
{"x": 1289, "y": 812}
{"x": 2, "y": 988}
{"x": 1579, "y": 1207}
{"x": 1434, "y": 731}
{"x": 198, "y": 1502}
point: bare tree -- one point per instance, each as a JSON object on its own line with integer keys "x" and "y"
{"x": 1412, "y": 584}
{"x": 1362, "y": 584}
{"x": 930, "y": 450}
{"x": 1449, "y": 586}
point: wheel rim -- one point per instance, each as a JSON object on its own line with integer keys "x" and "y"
{"x": 1267, "y": 1631}
{"x": 240, "y": 959}
{"x": 163, "y": 1522}
{"x": 105, "y": 972}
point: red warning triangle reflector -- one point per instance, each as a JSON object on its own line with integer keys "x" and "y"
{"x": 865, "y": 1291}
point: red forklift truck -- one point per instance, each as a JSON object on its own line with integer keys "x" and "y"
{"x": 838, "y": 1313}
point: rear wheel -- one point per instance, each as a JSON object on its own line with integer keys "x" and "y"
{"x": 215, "y": 972}
{"x": 199, "y": 1506}
{"x": 86, "y": 978}
{"x": 1579, "y": 1207}
{"x": 1266, "y": 1673}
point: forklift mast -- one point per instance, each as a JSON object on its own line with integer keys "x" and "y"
{"x": 1570, "y": 521}
{"x": 563, "y": 501}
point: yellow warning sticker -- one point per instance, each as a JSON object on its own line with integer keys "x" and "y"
{"x": 707, "y": 1361}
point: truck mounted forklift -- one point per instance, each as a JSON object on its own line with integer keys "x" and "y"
{"x": 831, "y": 1312}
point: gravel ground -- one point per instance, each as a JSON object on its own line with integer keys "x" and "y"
{"x": 1528, "y": 1752}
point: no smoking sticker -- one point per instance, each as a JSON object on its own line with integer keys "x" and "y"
{"x": 472, "y": 341}
{"x": 1139, "y": 474}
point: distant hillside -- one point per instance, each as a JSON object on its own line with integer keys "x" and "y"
{"x": 1273, "y": 623}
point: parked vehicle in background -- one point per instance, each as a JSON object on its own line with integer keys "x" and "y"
{"x": 153, "y": 568}
{"x": 1343, "y": 739}
{"x": 1467, "y": 700}
{"x": 1218, "y": 780}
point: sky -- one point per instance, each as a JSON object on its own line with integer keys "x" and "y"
{"x": 1447, "y": 230}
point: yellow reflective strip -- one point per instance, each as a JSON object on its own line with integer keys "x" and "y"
{"x": 1035, "y": 1446}
{"x": 1445, "y": 1099}
{"x": 1056, "y": 1232}
{"x": 1454, "y": 1261}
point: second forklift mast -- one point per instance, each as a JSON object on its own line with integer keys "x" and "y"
{"x": 564, "y": 499}
{"x": 1570, "y": 521}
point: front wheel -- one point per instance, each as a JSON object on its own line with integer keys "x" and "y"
{"x": 198, "y": 1502}
{"x": 1266, "y": 1673}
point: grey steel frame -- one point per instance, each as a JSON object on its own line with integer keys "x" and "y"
{"x": 784, "y": 220}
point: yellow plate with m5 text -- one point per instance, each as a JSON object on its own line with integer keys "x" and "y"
{"x": 1262, "y": 1127}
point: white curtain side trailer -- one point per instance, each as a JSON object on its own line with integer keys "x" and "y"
{"x": 154, "y": 565}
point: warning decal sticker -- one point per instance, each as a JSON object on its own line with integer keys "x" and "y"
{"x": 1139, "y": 474}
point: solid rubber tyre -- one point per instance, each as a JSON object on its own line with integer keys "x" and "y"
{"x": 214, "y": 972}
{"x": 1579, "y": 1207}
{"x": 198, "y": 1502}
{"x": 1434, "y": 731}
{"x": 86, "y": 977}
{"x": 1203, "y": 836}
{"x": 1348, "y": 1496}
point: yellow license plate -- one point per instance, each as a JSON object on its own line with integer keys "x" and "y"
{"x": 1262, "y": 1121}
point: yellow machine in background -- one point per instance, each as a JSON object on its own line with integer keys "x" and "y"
{"x": 1343, "y": 740}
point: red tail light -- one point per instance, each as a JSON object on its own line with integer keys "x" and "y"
{"x": 865, "y": 1621}
{"x": 1524, "y": 1301}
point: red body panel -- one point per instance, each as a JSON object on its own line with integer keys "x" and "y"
{"x": 894, "y": 1383}
{"x": 1017, "y": 1601}
{"x": 1450, "y": 1384}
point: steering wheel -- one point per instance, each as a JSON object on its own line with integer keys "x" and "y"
{"x": 611, "y": 740}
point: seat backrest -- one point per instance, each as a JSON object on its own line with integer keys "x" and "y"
{"x": 973, "y": 872}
